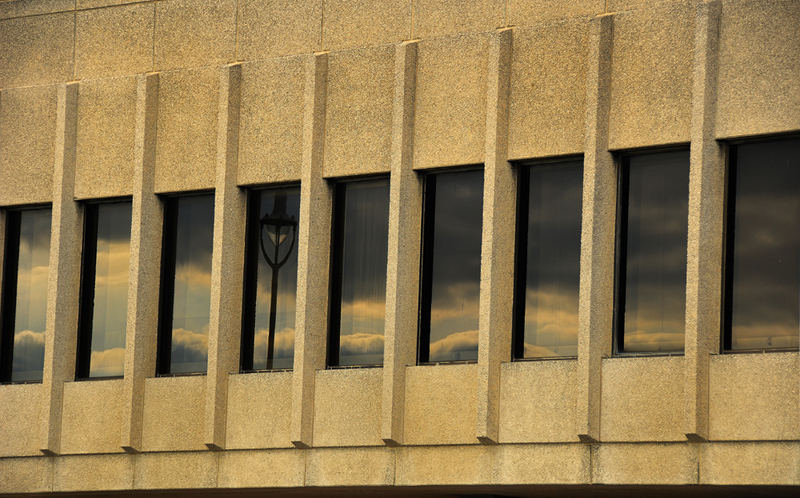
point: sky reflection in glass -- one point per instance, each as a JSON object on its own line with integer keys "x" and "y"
{"x": 764, "y": 281}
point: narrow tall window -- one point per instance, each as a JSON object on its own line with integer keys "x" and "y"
{"x": 451, "y": 266}
{"x": 651, "y": 252}
{"x": 104, "y": 290}
{"x": 762, "y": 282}
{"x": 185, "y": 284}
{"x": 358, "y": 288}
{"x": 270, "y": 279}
{"x": 548, "y": 259}
{"x": 24, "y": 306}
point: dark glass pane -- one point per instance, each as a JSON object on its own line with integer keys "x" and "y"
{"x": 456, "y": 265}
{"x": 365, "y": 233}
{"x": 765, "y": 278}
{"x": 109, "y": 317}
{"x": 192, "y": 294}
{"x": 276, "y": 291}
{"x": 27, "y": 362}
{"x": 656, "y": 211}
{"x": 553, "y": 260}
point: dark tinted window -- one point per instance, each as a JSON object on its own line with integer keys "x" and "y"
{"x": 451, "y": 266}
{"x": 548, "y": 260}
{"x": 186, "y": 284}
{"x": 358, "y": 298}
{"x": 104, "y": 290}
{"x": 270, "y": 279}
{"x": 651, "y": 265}
{"x": 24, "y": 307}
{"x": 763, "y": 257}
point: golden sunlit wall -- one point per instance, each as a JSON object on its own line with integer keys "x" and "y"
{"x": 140, "y": 100}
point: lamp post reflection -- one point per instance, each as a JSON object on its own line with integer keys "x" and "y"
{"x": 278, "y": 227}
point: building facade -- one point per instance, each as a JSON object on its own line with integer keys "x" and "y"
{"x": 430, "y": 332}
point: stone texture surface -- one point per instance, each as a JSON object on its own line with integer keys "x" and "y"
{"x": 545, "y": 464}
{"x": 173, "y": 415}
{"x": 347, "y": 407}
{"x": 269, "y": 28}
{"x": 271, "y": 121}
{"x": 37, "y": 50}
{"x": 759, "y": 91}
{"x": 259, "y": 410}
{"x": 20, "y": 8}
{"x": 27, "y": 141}
{"x": 114, "y": 41}
{"x": 750, "y": 463}
{"x": 269, "y": 469}
{"x": 20, "y": 406}
{"x": 537, "y": 401}
{"x": 26, "y": 475}
{"x": 92, "y": 417}
{"x": 177, "y": 470}
{"x": 434, "y": 18}
{"x": 527, "y": 12}
{"x": 622, "y": 5}
{"x": 351, "y": 23}
{"x": 443, "y": 465}
{"x": 192, "y": 33}
{"x": 106, "y": 130}
{"x": 91, "y": 472}
{"x": 642, "y": 399}
{"x": 440, "y": 404}
{"x": 651, "y": 85}
{"x": 755, "y": 397}
{"x": 450, "y": 112}
{"x": 645, "y": 464}
{"x": 186, "y": 147}
{"x": 91, "y": 4}
{"x": 548, "y": 89}
{"x": 358, "y": 117}
{"x": 350, "y": 467}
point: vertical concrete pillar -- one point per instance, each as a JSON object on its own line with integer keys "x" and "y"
{"x": 64, "y": 273}
{"x": 227, "y": 261}
{"x": 706, "y": 206}
{"x": 313, "y": 253}
{"x": 497, "y": 246}
{"x": 596, "y": 292}
{"x": 402, "y": 281}
{"x": 145, "y": 265}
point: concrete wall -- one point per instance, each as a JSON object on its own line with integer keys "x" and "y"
{"x": 266, "y": 91}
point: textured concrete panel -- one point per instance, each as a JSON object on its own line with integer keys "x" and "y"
{"x": 93, "y": 472}
{"x": 527, "y": 12}
{"x": 358, "y": 127}
{"x": 440, "y": 404}
{"x": 350, "y": 467}
{"x": 548, "y": 90}
{"x": 27, "y": 141}
{"x": 350, "y": 23}
{"x": 347, "y": 407}
{"x": 450, "y": 102}
{"x": 537, "y": 401}
{"x": 19, "y": 410}
{"x": 758, "y": 85}
{"x": 268, "y": 469}
{"x": 115, "y": 41}
{"x": 173, "y": 414}
{"x": 440, "y": 17}
{"x": 543, "y": 464}
{"x": 750, "y": 463}
{"x": 269, "y": 28}
{"x": 176, "y": 470}
{"x": 26, "y": 475}
{"x": 259, "y": 410}
{"x": 20, "y": 8}
{"x": 92, "y": 417}
{"x": 642, "y": 399}
{"x": 91, "y": 4}
{"x": 651, "y": 84}
{"x": 754, "y": 396}
{"x": 186, "y": 148}
{"x": 192, "y": 33}
{"x": 36, "y": 50}
{"x": 106, "y": 131}
{"x": 621, "y": 5}
{"x": 428, "y": 465}
{"x": 271, "y": 121}
{"x": 645, "y": 464}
